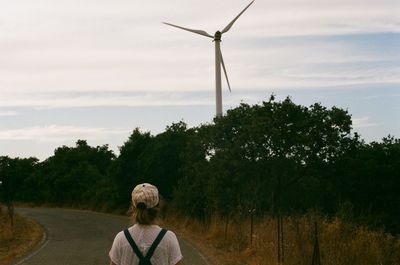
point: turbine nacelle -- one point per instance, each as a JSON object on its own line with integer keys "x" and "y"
{"x": 217, "y": 36}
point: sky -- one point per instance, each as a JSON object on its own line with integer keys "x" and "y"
{"x": 97, "y": 69}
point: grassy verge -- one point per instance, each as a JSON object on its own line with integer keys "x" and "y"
{"x": 17, "y": 240}
{"x": 340, "y": 243}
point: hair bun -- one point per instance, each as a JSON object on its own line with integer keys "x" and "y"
{"x": 141, "y": 206}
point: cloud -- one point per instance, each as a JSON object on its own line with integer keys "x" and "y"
{"x": 59, "y": 133}
{"x": 57, "y": 46}
{"x": 71, "y": 99}
{"x": 279, "y": 64}
{"x": 364, "y": 122}
{"x": 310, "y": 17}
{"x": 8, "y": 113}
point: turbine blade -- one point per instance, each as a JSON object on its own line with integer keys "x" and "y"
{"x": 233, "y": 21}
{"x": 223, "y": 67}
{"x": 201, "y": 32}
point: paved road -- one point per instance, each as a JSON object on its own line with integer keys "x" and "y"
{"x": 82, "y": 237}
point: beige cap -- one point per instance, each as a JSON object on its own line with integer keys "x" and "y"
{"x": 145, "y": 193}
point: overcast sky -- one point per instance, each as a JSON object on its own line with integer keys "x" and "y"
{"x": 97, "y": 69}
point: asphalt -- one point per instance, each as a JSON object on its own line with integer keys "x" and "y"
{"x": 82, "y": 237}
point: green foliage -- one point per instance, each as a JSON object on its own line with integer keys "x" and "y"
{"x": 368, "y": 179}
{"x": 274, "y": 156}
{"x": 254, "y": 155}
{"x": 13, "y": 172}
{"x": 125, "y": 169}
{"x": 161, "y": 161}
{"x": 71, "y": 176}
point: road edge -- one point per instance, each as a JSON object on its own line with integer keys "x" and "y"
{"x": 43, "y": 242}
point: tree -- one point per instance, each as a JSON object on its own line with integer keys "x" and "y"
{"x": 254, "y": 155}
{"x": 368, "y": 179}
{"x": 161, "y": 161}
{"x": 13, "y": 173}
{"x": 125, "y": 169}
{"x": 71, "y": 175}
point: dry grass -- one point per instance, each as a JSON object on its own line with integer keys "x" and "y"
{"x": 17, "y": 240}
{"x": 340, "y": 243}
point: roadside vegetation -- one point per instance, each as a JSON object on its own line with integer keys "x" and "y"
{"x": 339, "y": 242}
{"x": 17, "y": 238}
{"x": 273, "y": 163}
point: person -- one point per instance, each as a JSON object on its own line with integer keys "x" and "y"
{"x": 145, "y": 204}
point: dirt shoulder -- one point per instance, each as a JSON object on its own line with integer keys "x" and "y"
{"x": 19, "y": 239}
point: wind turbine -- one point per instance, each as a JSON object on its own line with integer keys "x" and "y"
{"x": 218, "y": 57}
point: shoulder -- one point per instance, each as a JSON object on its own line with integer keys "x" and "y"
{"x": 170, "y": 238}
{"x": 119, "y": 237}
{"x": 170, "y": 234}
{"x": 120, "y": 234}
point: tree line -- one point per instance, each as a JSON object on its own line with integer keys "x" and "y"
{"x": 273, "y": 157}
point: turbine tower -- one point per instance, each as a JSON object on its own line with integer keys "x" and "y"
{"x": 218, "y": 57}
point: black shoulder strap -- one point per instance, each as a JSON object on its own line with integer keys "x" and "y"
{"x": 133, "y": 244}
{"x": 151, "y": 249}
{"x": 155, "y": 243}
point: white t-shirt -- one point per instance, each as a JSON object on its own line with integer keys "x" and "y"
{"x": 167, "y": 252}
